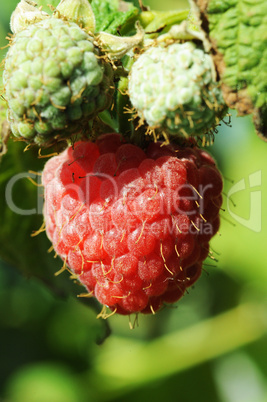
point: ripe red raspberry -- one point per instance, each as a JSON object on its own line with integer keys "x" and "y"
{"x": 133, "y": 225}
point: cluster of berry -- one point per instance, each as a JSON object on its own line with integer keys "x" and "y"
{"x": 131, "y": 222}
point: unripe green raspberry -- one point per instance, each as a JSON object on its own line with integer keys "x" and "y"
{"x": 54, "y": 81}
{"x": 172, "y": 87}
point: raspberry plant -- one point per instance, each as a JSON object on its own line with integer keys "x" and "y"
{"x": 126, "y": 97}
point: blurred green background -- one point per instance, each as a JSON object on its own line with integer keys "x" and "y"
{"x": 212, "y": 346}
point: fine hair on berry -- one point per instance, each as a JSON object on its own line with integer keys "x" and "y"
{"x": 133, "y": 225}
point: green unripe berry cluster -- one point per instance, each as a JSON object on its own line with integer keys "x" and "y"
{"x": 55, "y": 81}
{"x": 172, "y": 87}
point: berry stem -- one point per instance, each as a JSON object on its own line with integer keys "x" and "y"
{"x": 182, "y": 349}
{"x": 164, "y": 20}
{"x": 125, "y": 125}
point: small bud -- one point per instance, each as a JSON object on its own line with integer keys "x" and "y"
{"x": 25, "y": 13}
{"x": 79, "y": 11}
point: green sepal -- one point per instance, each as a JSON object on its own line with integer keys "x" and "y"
{"x": 79, "y": 11}
{"x": 25, "y": 14}
{"x": 118, "y": 46}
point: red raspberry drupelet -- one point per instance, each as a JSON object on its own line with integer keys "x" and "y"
{"x": 132, "y": 225}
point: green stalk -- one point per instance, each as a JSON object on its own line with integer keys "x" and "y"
{"x": 162, "y": 21}
{"x": 123, "y": 105}
{"x": 126, "y": 364}
{"x": 153, "y": 21}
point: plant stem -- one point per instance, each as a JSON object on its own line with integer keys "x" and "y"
{"x": 123, "y": 104}
{"x": 138, "y": 363}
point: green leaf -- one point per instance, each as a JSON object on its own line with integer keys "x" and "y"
{"x": 21, "y": 203}
{"x": 112, "y": 15}
{"x": 238, "y": 33}
{"x": 21, "y": 213}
